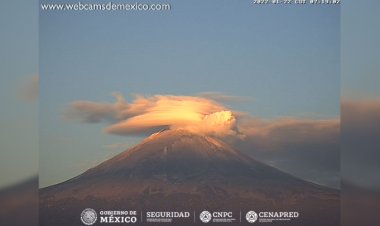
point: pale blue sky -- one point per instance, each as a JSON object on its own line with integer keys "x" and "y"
{"x": 360, "y": 49}
{"x": 18, "y": 63}
{"x": 286, "y": 59}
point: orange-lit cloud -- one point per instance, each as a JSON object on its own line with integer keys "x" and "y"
{"x": 149, "y": 114}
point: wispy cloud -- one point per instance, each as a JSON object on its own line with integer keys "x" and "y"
{"x": 30, "y": 90}
{"x": 306, "y": 148}
{"x": 223, "y": 98}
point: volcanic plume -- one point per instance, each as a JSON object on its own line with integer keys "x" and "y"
{"x": 177, "y": 169}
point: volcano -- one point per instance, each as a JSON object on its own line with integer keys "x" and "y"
{"x": 179, "y": 170}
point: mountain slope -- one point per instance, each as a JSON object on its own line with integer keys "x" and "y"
{"x": 176, "y": 169}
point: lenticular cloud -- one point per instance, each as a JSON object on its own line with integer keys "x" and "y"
{"x": 146, "y": 115}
